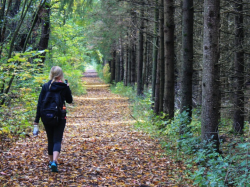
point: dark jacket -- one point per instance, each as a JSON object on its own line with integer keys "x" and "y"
{"x": 55, "y": 86}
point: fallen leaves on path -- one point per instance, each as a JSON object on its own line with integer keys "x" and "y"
{"x": 100, "y": 148}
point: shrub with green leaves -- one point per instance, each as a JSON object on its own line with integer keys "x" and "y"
{"x": 206, "y": 167}
{"x": 106, "y": 73}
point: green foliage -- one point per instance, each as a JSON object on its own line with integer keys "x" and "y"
{"x": 19, "y": 103}
{"x": 99, "y": 69}
{"x": 103, "y": 72}
{"x": 106, "y": 73}
{"x": 206, "y": 167}
{"x": 69, "y": 52}
{"x": 125, "y": 91}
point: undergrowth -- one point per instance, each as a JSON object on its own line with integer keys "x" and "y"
{"x": 18, "y": 112}
{"x": 104, "y": 72}
{"x": 205, "y": 166}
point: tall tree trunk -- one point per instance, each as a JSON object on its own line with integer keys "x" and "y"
{"x": 2, "y": 17}
{"x": 169, "y": 91}
{"x": 44, "y": 40}
{"x": 117, "y": 68}
{"x": 112, "y": 67}
{"x": 129, "y": 64}
{"x": 155, "y": 48}
{"x": 145, "y": 50}
{"x": 133, "y": 50}
{"x": 35, "y": 18}
{"x": 22, "y": 17}
{"x": 187, "y": 58}
{"x": 148, "y": 56}
{"x": 133, "y": 64}
{"x": 3, "y": 26}
{"x": 210, "y": 76}
{"x": 125, "y": 81}
{"x": 121, "y": 61}
{"x": 238, "y": 124}
{"x": 161, "y": 59}
{"x": 159, "y": 88}
{"x": 140, "y": 55}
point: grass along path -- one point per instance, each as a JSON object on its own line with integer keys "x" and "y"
{"x": 100, "y": 148}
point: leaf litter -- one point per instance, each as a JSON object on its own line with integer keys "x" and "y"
{"x": 99, "y": 148}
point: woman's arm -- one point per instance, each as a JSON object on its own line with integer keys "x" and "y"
{"x": 68, "y": 96}
{"x": 39, "y": 104}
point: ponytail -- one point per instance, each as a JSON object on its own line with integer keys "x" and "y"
{"x": 55, "y": 72}
{"x": 51, "y": 82}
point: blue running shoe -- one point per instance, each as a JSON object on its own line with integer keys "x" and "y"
{"x": 54, "y": 167}
{"x": 50, "y": 164}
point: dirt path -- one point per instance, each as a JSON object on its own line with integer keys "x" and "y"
{"x": 100, "y": 148}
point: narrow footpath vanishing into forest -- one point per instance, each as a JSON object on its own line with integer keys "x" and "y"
{"x": 100, "y": 148}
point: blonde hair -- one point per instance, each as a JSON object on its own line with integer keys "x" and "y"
{"x": 55, "y": 73}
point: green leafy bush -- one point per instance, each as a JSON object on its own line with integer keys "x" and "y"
{"x": 206, "y": 167}
{"x": 106, "y": 73}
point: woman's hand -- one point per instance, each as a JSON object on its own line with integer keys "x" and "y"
{"x": 36, "y": 123}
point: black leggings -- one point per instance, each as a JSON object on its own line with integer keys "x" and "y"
{"x": 55, "y": 135}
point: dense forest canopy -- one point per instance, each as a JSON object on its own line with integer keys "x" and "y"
{"x": 190, "y": 56}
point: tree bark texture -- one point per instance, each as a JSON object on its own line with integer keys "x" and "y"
{"x": 155, "y": 47}
{"x": 238, "y": 124}
{"x": 187, "y": 57}
{"x": 117, "y": 67}
{"x": 159, "y": 88}
{"x": 129, "y": 64}
{"x": 169, "y": 91}
{"x": 133, "y": 51}
{"x": 112, "y": 67}
{"x": 145, "y": 65}
{"x": 45, "y": 16}
{"x": 133, "y": 64}
{"x": 121, "y": 61}
{"x": 140, "y": 56}
{"x": 210, "y": 76}
{"x": 125, "y": 57}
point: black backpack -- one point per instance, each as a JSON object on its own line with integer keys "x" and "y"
{"x": 51, "y": 109}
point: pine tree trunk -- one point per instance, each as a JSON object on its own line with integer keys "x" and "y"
{"x": 145, "y": 66}
{"x": 155, "y": 48}
{"x": 44, "y": 40}
{"x": 148, "y": 64}
{"x": 169, "y": 91}
{"x": 133, "y": 51}
{"x": 159, "y": 88}
{"x": 210, "y": 76}
{"x": 112, "y": 67}
{"x": 140, "y": 55}
{"x": 238, "y": 124}
{"x": 187, "y": 58}
{"x": 125, "y": 81}
{"x": 121, "y": 61}
{"x": 117, "y": 68}
{"x": 129, "y": 64}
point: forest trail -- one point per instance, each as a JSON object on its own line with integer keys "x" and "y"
{"x": 100, "y": 148}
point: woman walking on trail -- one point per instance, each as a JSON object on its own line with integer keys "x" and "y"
{"x": 55, "y": 131}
